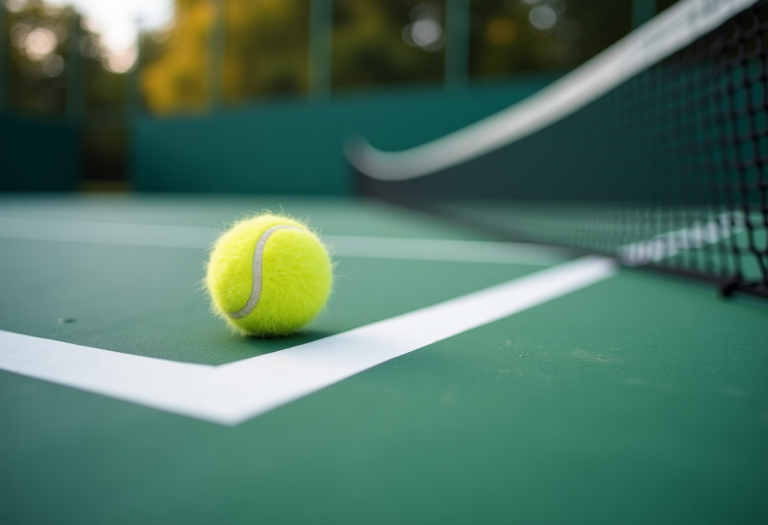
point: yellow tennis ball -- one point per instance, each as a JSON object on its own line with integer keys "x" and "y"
{"x": 268, "y": 275}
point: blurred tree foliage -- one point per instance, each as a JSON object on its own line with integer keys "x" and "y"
{"x": 512, "y": 36}
{"x": 47, "y": 66}
{"x": 55, "y": 62}
{"x": 38, "y": 57}
{"x": 266, "y": 43}
{"x": 267, "y": 48}
{"x": 174, "y": 69}
{"x": 373, "y": 42}
{"x": 266, "y": 52}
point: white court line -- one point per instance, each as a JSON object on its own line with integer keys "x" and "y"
{"x": 669, "y": 244}
{"x": 232, "y": 393}
{"x": 107, "y": 233}
{"x": 200, "y": 238}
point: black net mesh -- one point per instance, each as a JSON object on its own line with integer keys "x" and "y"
{"x": 666, "y": 171}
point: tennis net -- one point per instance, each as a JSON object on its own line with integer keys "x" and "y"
{"x": 654, "y": 152}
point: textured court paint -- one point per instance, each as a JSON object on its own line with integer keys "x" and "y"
{"x": 633, "y": 411}
{"x": 447, "y": 250}
{"x": 235, "y": 392}
{"x": 639, "y": 400}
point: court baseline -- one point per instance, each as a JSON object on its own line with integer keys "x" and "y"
{"x": 198, "y": 237}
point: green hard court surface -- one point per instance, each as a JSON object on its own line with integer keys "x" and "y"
{"x": 639, "y": 399}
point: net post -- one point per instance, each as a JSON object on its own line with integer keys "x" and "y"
{"x": 5, "y": 59}
{"x": 216, "y": 50}
{"x": 75, "y": 100}
{"x": 320, "y": 34}
{"x": 457, "y": 44}
{"x": 642, "y": 11}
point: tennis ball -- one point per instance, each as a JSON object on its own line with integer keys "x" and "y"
{"x": 268, "y": 275}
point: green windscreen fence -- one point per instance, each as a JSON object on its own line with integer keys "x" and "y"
{"x": 38, "y": 154}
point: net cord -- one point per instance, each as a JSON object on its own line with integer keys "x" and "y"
{"x": 656, "y": 40}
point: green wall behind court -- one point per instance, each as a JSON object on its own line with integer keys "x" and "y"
{"x": 295, "y": 147}
{"x": 38, "y": 154}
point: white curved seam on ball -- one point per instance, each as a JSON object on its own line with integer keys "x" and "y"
{"x": 258, "y": 253}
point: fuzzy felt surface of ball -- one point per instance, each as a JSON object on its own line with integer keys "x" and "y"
{"x": 268, "y": 275}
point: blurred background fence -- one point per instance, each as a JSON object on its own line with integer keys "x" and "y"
{"x": 259, "y": 95}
